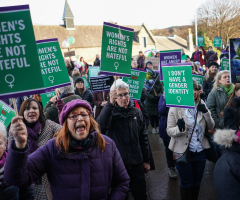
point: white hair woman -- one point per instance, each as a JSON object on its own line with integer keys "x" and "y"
{"x": 209, "y": 78}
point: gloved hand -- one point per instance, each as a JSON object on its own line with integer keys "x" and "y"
{"x": 201, "y": 107}
{"x": 181, "y": 125}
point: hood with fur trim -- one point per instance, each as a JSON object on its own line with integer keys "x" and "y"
{"x": 225, "y": 137}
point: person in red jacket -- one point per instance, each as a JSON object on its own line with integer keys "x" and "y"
{"x": 197, "y": 55}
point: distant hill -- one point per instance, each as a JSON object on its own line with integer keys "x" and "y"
{"x": 181, "y": 31}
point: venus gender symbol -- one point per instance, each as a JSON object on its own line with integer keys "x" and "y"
{"x": 10, "y": 82}
{"x": 51, "y": 79}
{"x": 178, "y": 99}
{"x": 116, "y": 65}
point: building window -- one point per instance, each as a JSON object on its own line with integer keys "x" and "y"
{"x": 143, "y": 42}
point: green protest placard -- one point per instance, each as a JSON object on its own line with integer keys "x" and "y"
{"x": 217, "y": 42}
{"x": 225, "y": 64}
{"x": 93, "y": 72}
{"x": 46, "y": 97}
{"x": 20, "y": 72}
{"x": 6, "y": 113}
{"x": 86, "y": 83}
{"x": 53, "y": 68}
{"x": 116, "y": 50}
{"x": 199, "y": 78}
{"x": 178, "y": 85}
{"x": 201, "y": 41}
{"x": 135, "y": 83}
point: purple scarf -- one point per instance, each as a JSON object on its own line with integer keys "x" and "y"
{"x": 33, "y": 134}
{"x": 3, "y": 159}
{"x": 196, "y": 53}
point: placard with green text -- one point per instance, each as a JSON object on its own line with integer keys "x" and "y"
{"x": 20, "y": 72}
{"x": 201, "y": 41}
{"x": 199, "y": 78}
{"x": 225, "y": 64}
{"x": 6, "y": 113}
{"x": 178, "y": 85}
{"x": 53, "y": 68}
{"x": 116, "y": 50}
{"x": 135, "y": 83}
{"x": 47, "y": 96}
{"x": 217, "y": 42}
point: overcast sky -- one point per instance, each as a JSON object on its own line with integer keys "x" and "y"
{"x": 154, "y": 13}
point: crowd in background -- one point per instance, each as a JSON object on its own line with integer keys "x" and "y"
{"x": 84, "y": 145}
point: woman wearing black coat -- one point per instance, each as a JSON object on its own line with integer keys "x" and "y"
{"x": 227, "y": 174}
{"x": 81, "y": 91}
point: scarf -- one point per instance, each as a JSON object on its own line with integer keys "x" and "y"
{"x": 228, "y": 90}
{"x": 196, "y": 54}
{"x": 212, "y": 74}
{"x": 33, "y": 134}
{"x": 3, "y": 159}
{"x": 79, "y": 144}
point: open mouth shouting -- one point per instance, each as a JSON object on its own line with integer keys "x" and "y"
{"x": 80, "y": 129}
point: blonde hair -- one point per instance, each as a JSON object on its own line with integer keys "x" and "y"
{"x": 207, "y": 75}
{"x": 218, "y": 77}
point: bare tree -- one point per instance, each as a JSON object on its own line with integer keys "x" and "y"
{"x": 220, "y": 18}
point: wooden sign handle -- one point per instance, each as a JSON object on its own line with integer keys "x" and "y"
{"x": 15, "y": 106}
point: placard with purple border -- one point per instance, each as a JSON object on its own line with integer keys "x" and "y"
{"x": 6, "y": 113}
{"x": 53, "y": 68}
{"x": 101, "y": 83}
{"x": 178, "y": 85}
{"x": 20, "y": 72}
{"x": 116, "y": 51}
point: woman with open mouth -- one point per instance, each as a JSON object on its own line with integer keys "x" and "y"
{"x": 80, "y": 162}
{"x": 39, "y": 131}
{"x": 218, "y": 98}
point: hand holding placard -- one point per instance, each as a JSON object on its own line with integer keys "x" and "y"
{"x": 113, "y": 96}
{"x": 19, "y": 132}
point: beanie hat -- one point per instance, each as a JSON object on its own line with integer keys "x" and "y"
{"x": 195, "y": 84}
{"x": 148, "y": 63}
{"x": 78, "y": 79}
{"x": 70, "y": 106}
{"x": 213, "y": 63}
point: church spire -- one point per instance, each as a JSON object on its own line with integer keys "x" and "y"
{"x": 68, "y": 16}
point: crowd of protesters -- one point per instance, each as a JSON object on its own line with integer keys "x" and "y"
{"x": 84, "y": 145}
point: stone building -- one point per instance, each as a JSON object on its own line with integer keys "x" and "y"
{"x": 88, "y": 39}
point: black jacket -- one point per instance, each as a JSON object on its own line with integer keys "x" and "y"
{"x": 87, "y": 96}
{"x": 127, "y": 129}
{"x": 229, "y": 122}
{"x": 207, "y": 86}
{"x": 227, "y": 174}
{"x": 96, "y": 62}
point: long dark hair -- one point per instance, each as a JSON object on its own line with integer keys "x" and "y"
{"x": 26, "y": 105}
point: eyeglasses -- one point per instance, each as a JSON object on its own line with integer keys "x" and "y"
{"x": 120, "y": 96}
{"x": 75, "y": 117}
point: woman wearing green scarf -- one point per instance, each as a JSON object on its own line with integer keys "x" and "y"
{"x": 218, "y": 98}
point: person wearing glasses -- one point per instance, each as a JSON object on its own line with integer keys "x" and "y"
{"x": 80, "y": 162}
{"x": 125, "y": 125}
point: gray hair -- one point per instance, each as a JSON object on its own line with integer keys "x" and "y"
{"x": 218, "y": 77}
{"x": 76, "y": 69}
{"x": 119, "y": 84}
{"x": 3, "y": 131}
{"x": 67, "y": 89}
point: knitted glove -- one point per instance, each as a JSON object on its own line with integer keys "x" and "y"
{"x": 181, "y": 125}
{"x": 202, "y": 108}
{"x": 59, "y": 104}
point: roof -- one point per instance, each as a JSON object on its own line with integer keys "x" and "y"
{"x": 85, "y": 36}
{"x": 67, "y": 13}
{"x": 170, "y": 43}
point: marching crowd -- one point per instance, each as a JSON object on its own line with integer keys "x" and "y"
{"x": 84, "y": 145}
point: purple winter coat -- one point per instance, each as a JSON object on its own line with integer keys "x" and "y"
{"x": 163, "y": 112}
{"x": 87, "y": 175}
